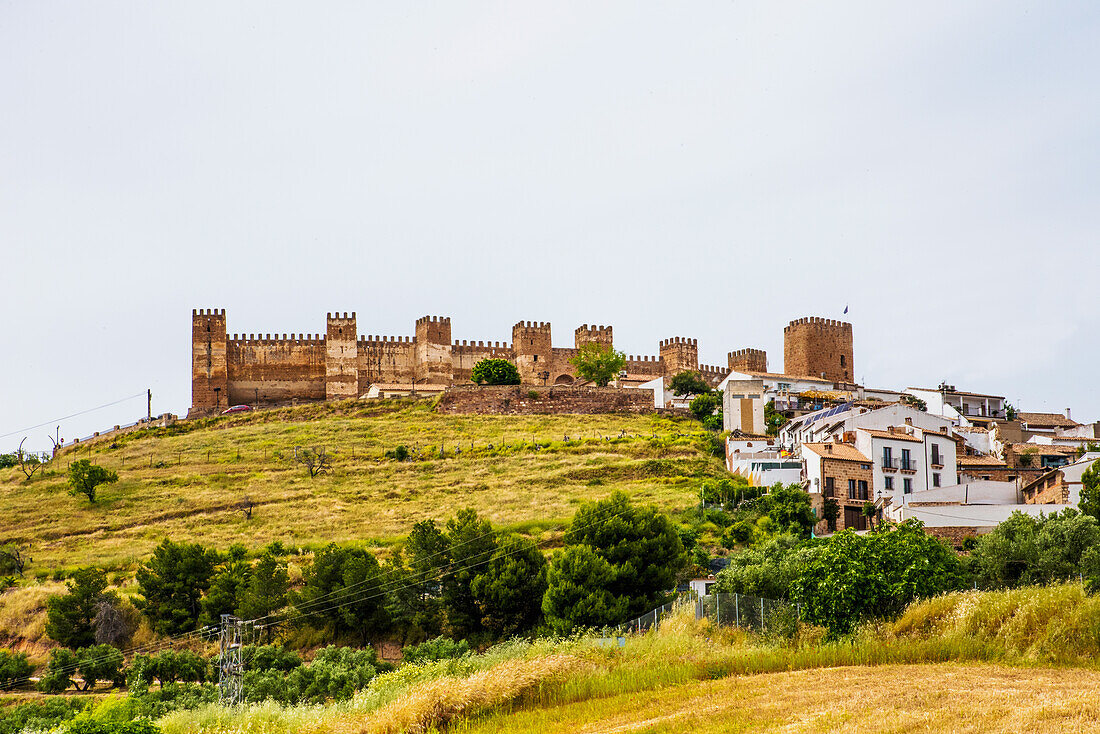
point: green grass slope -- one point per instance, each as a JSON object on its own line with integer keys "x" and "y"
{"x": 187, "y": 481}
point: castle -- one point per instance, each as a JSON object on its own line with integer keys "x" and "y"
{"x": 267, "y": 369}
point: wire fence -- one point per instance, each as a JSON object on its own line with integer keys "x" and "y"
{"x": 744, "y": 611}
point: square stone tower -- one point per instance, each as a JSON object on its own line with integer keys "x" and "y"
{"x": 816, "y": 347}
{"x": 679, "y": 354}
{"x": 531, "y": 346}
{"x": 747, "y": 360}
{"x": 586, "y": 334}
{"x": 209, "y": 365}
{"x": 341, "y": 357}
{"x": 433, "y": 351}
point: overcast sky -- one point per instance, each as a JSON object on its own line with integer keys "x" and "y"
{"x": 709, "y": 170}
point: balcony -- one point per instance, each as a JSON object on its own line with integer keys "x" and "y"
{"x": 889, "y": 465}
{"x": 908, "y": 467}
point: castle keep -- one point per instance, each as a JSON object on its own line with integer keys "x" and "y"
{"x": 274, "y": 369}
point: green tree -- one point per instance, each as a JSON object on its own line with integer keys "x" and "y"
{"x": 343, "y": 590}
{"x": 1090, "y": 491}
{"x": 471, "y": 542}
{"x": 766, "y": 570}
{"x": 598, "y": 363}
{"x": 702, "y": 406}
{"x": 90, "y": 664}
{"x": 790, "y": 508}
{"x": 1026, "y": 550}
{"x": 265, "y": 591}
{"x": 85, "y": 477}
{"x": 14, "y": 668}
{"x": 642, "y": 546}
{"x": 413, "y": 577}
{"x": 59, "y": 671}
{"x": 773, "y": 420}
{"x": 508, "y": 591}
{"x": 172, "y": 584}
{"x": 226, "y": 587}
{"x": 848, "y": 578}
{"x": 577, "y": 594}
{"x": 70, "y": 617}
{"x": 688, "y": 383}
{"x": 494, "y": 372}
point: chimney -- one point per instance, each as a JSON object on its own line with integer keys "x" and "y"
{"x": 828, "y": 448}
{"x": 908, "y": 421}
{"x": 1068, "y": 416}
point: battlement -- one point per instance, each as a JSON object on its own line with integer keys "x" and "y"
{"x": 208, "y": 312}
{"x": 533, "y": 326}
{"x": 818, "y": 322}
{"x": 679, "y": 340}
{"x": 434, "y": 320}
{"x": 276, "y": 340}
{"x": 752, "y": 360}
{"x": 585, "y": 334}
{"x": 338, "y": 317}
{"x": 374, "y": 340}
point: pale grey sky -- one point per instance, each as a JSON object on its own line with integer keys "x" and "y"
{"x": 710, "y": 170}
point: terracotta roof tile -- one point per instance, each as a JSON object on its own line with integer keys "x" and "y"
{"x": 1046, "y": 420}
{"x": 891, "y": 436}
{"x": 838, "y": 451}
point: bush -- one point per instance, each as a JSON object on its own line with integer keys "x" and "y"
{"x": 702, "y": 406}
{"x": 39, "y": 716}
{"x": 168, "y": 666}
{"x": 13, "y": 668}
{"x": 334, "y": 675}
{"x": 440, "y": 648}
{"x": 401, "y": 453}
{"x": 688, "y": 383}
{"x": 495, "y": 372}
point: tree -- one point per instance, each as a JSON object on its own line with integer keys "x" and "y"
{"x": 85, "y": 477}
{"x": 508, "y": 591}
{"x": 773, "y": 420}
{"x": 1090, "y": 491}
{"x": 598, "y": 363}
{"x": 266, "y": 588}
{"x": 577, "y": 592}
{"x": 766, "y": 570}
{"x": 29, "y": 462}
{"x": 343, "y": 588}
{"x": 1026, "y": 550}
{"x": 848, "y": 578}
{"x": 702, "y": 406}
{"x": 91, "y": 664}
{"x": 226, "y": 587}
{"x": 13, "y": 559}
{"x": 70, "y": 617}
{"x": 315, "y": 460}
{"x": 790, "y": 508}
{"x": 172, "y": 583}
{"x": 471, "y": 542}
{"x": 1010, "y": 411}
{"x": 688, "y": 383}
{"x": 14, "y": 668}
{"x": 494, "y": 372}
{"x": 641, "y": 545}
{"x": 831, "y": 511}
{"x": 412, "y": 574}
{"x": 115, "y": 621}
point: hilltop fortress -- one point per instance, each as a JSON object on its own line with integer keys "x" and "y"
{"x": 273, "y": 369}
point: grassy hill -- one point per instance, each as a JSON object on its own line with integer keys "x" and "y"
{"x": 187, "y": 481}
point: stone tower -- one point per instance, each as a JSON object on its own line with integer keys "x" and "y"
{"x": 748, "y": 360}
{"x": 816, "y": 347}
{"x": 433, "y": 351}
{"x": 341, "y": 357}
{"x": 209, "y": 365}
{"x": 586, "y": 334}
{"x": 679, "y": 354}
{"x": 531, "y": 345}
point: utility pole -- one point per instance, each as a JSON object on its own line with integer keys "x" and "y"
{"x": 149, "y": 405}
{"x": 230, "y": 668}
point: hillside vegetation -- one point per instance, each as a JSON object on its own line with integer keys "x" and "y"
{"x": 188, "y": 481}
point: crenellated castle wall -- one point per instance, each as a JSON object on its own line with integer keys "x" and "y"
{"x": 274, "y": 369}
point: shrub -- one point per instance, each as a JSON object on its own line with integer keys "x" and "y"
{"x": 13, "y": 668}
{"x": 401, "y": 453}
{"x": 440, "y": 648}
{"x": 495, "y": 372}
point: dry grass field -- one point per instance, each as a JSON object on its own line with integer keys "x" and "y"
{"x": 187, "y": 482}
{"x": 945, "y": 697}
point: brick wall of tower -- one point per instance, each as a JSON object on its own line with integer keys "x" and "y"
{"x": 209, "y": 360}
{"x": 747, "y": 360}
{"x": 586, "y": 334}
{"x": 813, "y": 347}
{"x": 266, "y": 369}
{"x": 434, "y": 360}
{"x": 679, "y": 354}
{"x": 341, "y": 357}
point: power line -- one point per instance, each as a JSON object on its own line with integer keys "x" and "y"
{"x": 73, "y": 415}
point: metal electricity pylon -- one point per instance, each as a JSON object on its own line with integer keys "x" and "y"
{"x": 230, "y": 667}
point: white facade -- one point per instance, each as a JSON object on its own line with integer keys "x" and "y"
{"x": 826, "y": 425}
{"x": 761, "y": 462}
{"x": 960, "y": 406}
{"x": 782, "y": 389}
{"x": 743, "y": 406}
{"x": 907, "y": 460}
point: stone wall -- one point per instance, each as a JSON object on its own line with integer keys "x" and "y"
{"x": 528, "y": 400}
{"x": 955, "y": 535}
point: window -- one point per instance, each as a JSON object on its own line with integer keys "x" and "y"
{"x": 936, "y": 454}
{"x": 536, "y": 358}
{"x": 829, "y": 486}
{"x": 737, "y": 397}
{"x": 887, "y": 457}
{"x": 889, "y": 484}
{"x": 851, "y": 489}
{"x": 907, "y": 486}
{"x": 842, "y": 360}
{"x": 862, "y": 489}
{"x": 936, "y": 479}
{"x": 905, "y": 461}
